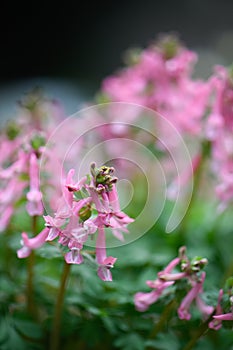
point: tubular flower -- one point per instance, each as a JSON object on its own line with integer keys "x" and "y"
{"x": 216, "y": 324}
{"x": 166, "y": 278}
{"x": 220, "y": 316}
{"x": 34, "y": 196}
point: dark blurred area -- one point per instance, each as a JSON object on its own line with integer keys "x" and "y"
{"x": 79, "y": 43}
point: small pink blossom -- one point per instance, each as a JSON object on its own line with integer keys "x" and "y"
{"x": 34, "y": 196}
{"x": 32, "y": 243}
{"x": 74, "y": 256}
{"x": 216, "y": 324}
{"x": 142, "y": 301}
{"x": 104, "y": 272}
{"x": 193, "y": 294}
{"x": 5, "y": 217}
{"x": 224, "y": 317}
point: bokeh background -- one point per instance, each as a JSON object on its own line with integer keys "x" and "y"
{"x": 68, "y": 48}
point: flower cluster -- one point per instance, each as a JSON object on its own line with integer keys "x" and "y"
{"x": 219, "y": 131}
{"x": 160, "y": 77}
{"x": 219, "y": 315}
{"x": 21, "y": 146}
{"x": 190, "y": 271}
{"x": 85, "y": 209}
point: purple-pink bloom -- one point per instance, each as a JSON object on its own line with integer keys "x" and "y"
{"x": 5, "y": 217}
{"x": 219, "y": 316}
{"x": 71, "y": 185}
{"x": 34, "y": 196}
{"x": 103, "y": 271}
{"x": 216, "y": 324}
{"x": 74, "y": 256}
{"x": 224, "y": 317}
{"x": 164, "y": 84}
{"x": 75, "y": 220}
{"x": 206, "y": 310}
{"x": 32, "y": 243}
{"x": 105, "y": 263}
{"x": 142, "y": 301}
{"x": 183, "y": 310}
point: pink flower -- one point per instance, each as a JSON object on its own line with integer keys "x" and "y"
{"x": 70, "y": 185}
{"x": 206, "y": 310}
{"x": 183, "y": 310}
{"x": 142, "y": 301}
{"x": 109, "y": 214}
{"x": 32, "y": 243}
{"x": 75, "y": 220}
{"x": 104, "y": 272}
{"x": 166, "y": 278}
{"x": 5, "y": 217}
{"x": 216, "y": 324}
{"x": 219, "y": 316}
{"x": 105, "y": 263}
{"x": 163, "y": 83}
{"x": 74, "y": 256}
{"x": 34, "y": 196}
{"x": 224, "y": 317}
{"x": 54, "y": 225}
{"x": 219, "y": 128}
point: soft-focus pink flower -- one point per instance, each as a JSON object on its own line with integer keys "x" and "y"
{"x": 165, "y": 85}
{"x": 224, "y": 317}
{"x": 32, "y": 243}
{"x": 219, "y": 129}
{"x": 74, "y": 256}
{"x": 105, "y": 263}
{"x": 216, "y": 324}
{"x": 194, "y": 292}
{"x": 5, "y": 217}
{"x": 103, "y": 271}
{"x": 206, "y": 310}
{"x": 142, "y": 301}
{"x": 34, "y": 196}
{"x": 71, "y": 185}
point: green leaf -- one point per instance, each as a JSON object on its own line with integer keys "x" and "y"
{"x": 129, "y": 342}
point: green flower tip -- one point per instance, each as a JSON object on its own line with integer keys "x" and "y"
{"x": 103, "y": 175}
{"x": 12, "y": 130}
{"x": 31, "y": 99}
{"x": 169, "y": 45}
{"x": 37, "y": 140}
{"x": 198, "y": 263}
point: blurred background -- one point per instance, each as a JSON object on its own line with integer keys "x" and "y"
{"x": 68, "y": 48}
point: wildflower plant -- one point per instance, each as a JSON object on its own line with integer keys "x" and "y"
{"x": 85, "y": 209}
{"x": 66, "y": 220}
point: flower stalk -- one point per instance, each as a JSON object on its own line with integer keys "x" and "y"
{"x": 56, "y": 326}
{"x": 30, "y": 274}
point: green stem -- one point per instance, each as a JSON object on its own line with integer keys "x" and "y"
{"x": 30, "y": 274}
{"x": 200, "y": 332}
{"x": 54, "y": 343}
{"x": 163, "y": 320}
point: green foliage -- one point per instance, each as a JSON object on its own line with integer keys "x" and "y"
{"x": 102, "y": 315}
